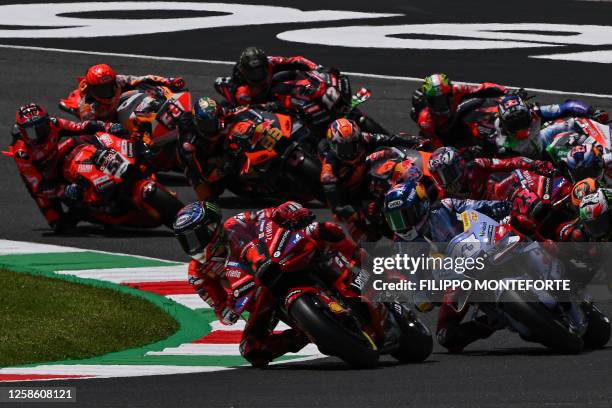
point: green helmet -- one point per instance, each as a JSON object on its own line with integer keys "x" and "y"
{"x": 438, "y": 92}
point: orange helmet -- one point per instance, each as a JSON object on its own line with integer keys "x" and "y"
{"x": 101, "y": 82}
{"x": 344, "y": 137}
{"x": 581, "y": 189}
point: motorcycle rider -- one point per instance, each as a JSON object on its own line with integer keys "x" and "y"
{"x": 413, "y": 219}
{"x": 461, "y": 175}
{"x": 343, "y": 168}
{"x": 38, "y": 150}
{"x": 519, "y": 124}
{"x": 101, "y": 88}
{"x": 201, "y": 151}
{"x": 216, "y": 246}
{"x": 435, "y": 103}
{"x": 252, "y": 75}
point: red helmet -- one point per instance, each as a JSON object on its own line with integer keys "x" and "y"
{"x": 344, "y": 137}
{"x": 33, "y": 123}
{"x": 101, "y": 83}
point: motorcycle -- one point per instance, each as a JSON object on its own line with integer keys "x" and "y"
{"x": 563, "y": 322}
{"x": 152, "y": 112}
{"x": 539, "y": 203}
{"x": 316, "y": 97}
{"x": 474, "y": 123}
{"x": 590, "y": 131}
{"x": 118, "y": 187}
{"x": 321, "y": 296}
{"x": 275, "y": 157}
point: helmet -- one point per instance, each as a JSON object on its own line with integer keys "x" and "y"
{"x": 344, "y": 137}
{"x": 33, "y": 123}
{"x": 207, "y": 114}
{"x": 447, "y": 168}
{"x": 404, "y": 171}
{"x": 581, "y": 189}
{"x": 253, "y": 65}
{"x": 101, "y": 83}
{"x": 514, "y": 116}
{"x": 585, "y": 160}
{"x": 438, "y": 92}
{"x": 406, "y": 207}
{"x": 199, "y": 229}
{"x": 594, "y": 212}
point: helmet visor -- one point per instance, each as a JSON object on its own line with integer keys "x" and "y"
{"x": 255, "y": 74}
{"x": 449, "y": 176}
{"x": 104, "y": 91}
{"x": 519, "y": 121}
{"x": 439, "y": 103}
{"x": 348, "y": 151}
{"x": 598, "y": 227}
{"x": 38, "y": 132}
{"x": 402, "y": 219}
{"x": 197, "y": 241}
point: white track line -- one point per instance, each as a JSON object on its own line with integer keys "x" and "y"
{"x": 106, "y": 371}
{"x": 8, "y": 247}
{"x": 204, "y": 61}
{"x": 138, "y": 274}
{"x": 232, "y": 349}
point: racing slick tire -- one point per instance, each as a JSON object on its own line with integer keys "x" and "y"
{"x": 597, "y": 334}
{"x": 165, "y": 203}
{"x": 416, "y": 341}
{"x": 331, "y": 336}
{"x": 546, "y": 328}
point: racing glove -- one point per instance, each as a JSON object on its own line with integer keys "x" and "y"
{"x": 226, "y": 315}
{"x": 73, "y": 193}
{"x": 177, "y": 84}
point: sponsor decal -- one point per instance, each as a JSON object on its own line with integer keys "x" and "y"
{"x": 394, "y": 204}
{"x": 244, "y": 289}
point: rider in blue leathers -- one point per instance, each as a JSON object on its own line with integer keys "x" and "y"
{"x": 412, "y": 219}
{"x": 519, "y": 124}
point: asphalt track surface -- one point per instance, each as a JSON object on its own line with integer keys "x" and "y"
{"x": 501, "y": 371}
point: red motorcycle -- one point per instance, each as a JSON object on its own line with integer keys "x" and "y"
{"x": 118, "y": 188}
{"x": 322, "y": 296}
{"x": 540, "y": 204}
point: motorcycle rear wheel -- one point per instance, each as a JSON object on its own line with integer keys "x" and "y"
{"x": 597, "y": 334}
{"x": 166, "y": 204}
{"x": 547, "y": 329}
{"x": 331, "y": 336}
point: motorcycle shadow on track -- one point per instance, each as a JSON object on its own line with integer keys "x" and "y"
{"x": 332, "y": 364}
{"x": 523, "y": 351}
{"x": 83, "y": 231}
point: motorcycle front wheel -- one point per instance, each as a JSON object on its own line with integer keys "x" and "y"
{"x": 331, "y": 336}
{"x": 545, "y": 326}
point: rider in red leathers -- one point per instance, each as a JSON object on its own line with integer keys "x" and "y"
{"x": 461, "y": 176}
{"x": 216, "y": 247}
{"x": 101, "y": 88}
{"x": 252, "y": 76}
{"x": 38, "y": 150}
{"x": 435, "y": 105}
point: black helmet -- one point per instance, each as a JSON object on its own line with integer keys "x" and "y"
{"x": 253, "y": 65}
{"x": 199, "y": 229}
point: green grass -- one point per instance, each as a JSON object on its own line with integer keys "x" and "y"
{"x": 44, "y": 319}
